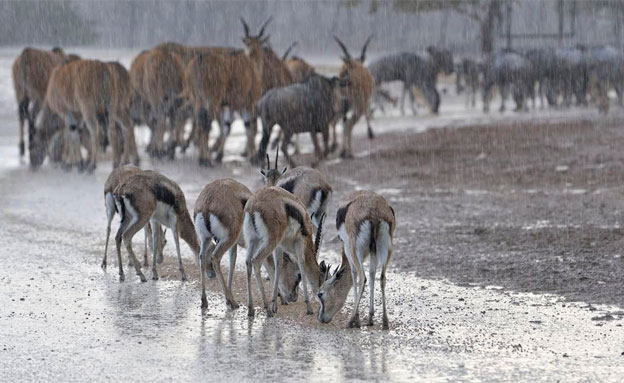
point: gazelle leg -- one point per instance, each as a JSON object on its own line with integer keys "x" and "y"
{"x": 278, "y": 256}
{"x": 118, "y": 237}
{"x": 149, "y": 242}
{"x": 385, "y": 324}
{"x": 155, "y": 229}
{"x": 251, "y": 249}
{"x": 203, "y": 251}
{"x": 176, "y": 239}
{"x": 233, "y": 255}
{"x": 361, "y": 278}
{"x": 371, "y": 281}
{"x": 127, "y": 235}
{"x": 257, "y": 260}
{"x": 215, "y": 259}
{"x": 304, "y": 279}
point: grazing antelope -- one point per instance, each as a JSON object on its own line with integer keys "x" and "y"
{"x": 150, "y": 197}
{"x": 365, "y": 226}
{"x": 117, "y": 177}
{"x": 276, "y": 220}
{"x": 31, "y": 72}
{"x": 307, "y": 184}
{"x": 218, "y": 215}
{"x": 358, "y": 94}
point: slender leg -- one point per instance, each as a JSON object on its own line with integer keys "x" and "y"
{"x": 176, "y": 239}
{"x": 278, "y": 256}
{"x": 127, "y": 238}
{"x": 317, "y": 149}
{"x": 203, "y": 250}
{"x": 215, "y": 259}
{"x": 371, "y": 134}
{"x": 155, "y": 232}
{"x": 257, "y": 260}
{"x": 233, "y": 254}
{"x": 403, "y": 99}
{"x": 118, "y": 237}
{"x": 110, "y": 213}
{"x": 304, "y": 279}
{"x": 251, "y": 249}
{"x": 385, "y": 323}
{"x": 371, "y": 277}
{"x": 22, "y": 111}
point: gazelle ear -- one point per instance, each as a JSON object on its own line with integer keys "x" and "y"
{"x": 284, "y": 169}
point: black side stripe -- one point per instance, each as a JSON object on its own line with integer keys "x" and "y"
{"x": 341, "y": 215}
{"x": 295, "y": 214}
{"x": 164, "y": 195}
{"x": 289, "y": 185}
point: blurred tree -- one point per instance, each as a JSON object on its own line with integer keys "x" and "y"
{"x": 485, "y": 12}
{"x": 43, "y": 22}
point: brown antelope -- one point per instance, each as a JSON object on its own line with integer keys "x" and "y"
{"x": 31, "y": 73}
{"x": 150, "y": 197}
{"x": 87, "y": 91}
{"x": 358, "y": 94}
{"x": 365, "y": 226}
{"x": 276, "y": 220}
{"x": 307, "y": 184}
{"x": 218, "y": 215}
{"x": 116, "y": 178}
{"x": 218, "y": 84}
{"x": 299, "y": 69}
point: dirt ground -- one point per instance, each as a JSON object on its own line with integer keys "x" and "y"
{"x": 526, "y": 207}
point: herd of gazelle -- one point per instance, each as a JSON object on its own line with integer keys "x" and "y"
{"x": 280, "y": 225}
{"x": 72, "y": 101}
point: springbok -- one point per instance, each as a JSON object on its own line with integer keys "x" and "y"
{"x": 359, "y": 94}
{"x": 365, "y": 226}
{"x": 276, "y": 220}
{"x": 150, "y": 197}
{"x": 116, "y": 178}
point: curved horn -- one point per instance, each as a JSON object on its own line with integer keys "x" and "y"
{"x": 319, "y": 237}
{"x": 268, "y": 163}
{"x": 245, "y": 26}
{"x": 264, "y": 26}
{"x": 342, "y": 46}
{"x": 276, "y": 155}
{"x": 363, "y": 55}
{"x": 285, "y": 56}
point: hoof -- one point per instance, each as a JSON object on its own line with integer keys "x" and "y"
{"x": 371, "y": 135}
{"x": 122, "y": 277}
{"x": 154, "y": 276}
{"x": 251, "y": 312}
{"x": 309, "y": 312}
{"x": 183, "y": 277}
{"x": 146, "y": 264}
{"x": 274, "y": 306}
{"x": 143, "y": 279}
{"x": 344, "y": 154}
{"x": 269, "y": 312}
{"x": 370, "y": 321}
{"x": 354, "y": 323}
{"x": 204, "y": 303}
{"x": 219, "y": 158}
{"x": 231, "y": 305}
{"x": 103, "y": 265}
{"x": 160, "y": 259}
{"x": 385, "y": 325}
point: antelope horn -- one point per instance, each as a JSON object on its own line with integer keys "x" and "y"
{"x": 264, "y": 26}
{"x": 343, "y": 47}
{"x": 285, "y": 56}
{"x": 245, "y": 26}
{"x": 276, "y": 156}
{"x": 268, "y": 163}
{"x": 319, "y": 237}
{"x": 363, "y": 55}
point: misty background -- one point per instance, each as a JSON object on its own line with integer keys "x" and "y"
{"x": 397, "y": 25}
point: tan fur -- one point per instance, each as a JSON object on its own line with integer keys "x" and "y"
{"x": 299, "y": 69}
{"x": 270, "y": 204}
{"x": 275, "y": 73}
{"x": 363, "y": 207}
{"x": 31, "y": 72}
{"x": 226, "y": 200}
{"x": 138, "y": 191}
{"x": 359, "y": 92}
{"x": 120, "y": 113}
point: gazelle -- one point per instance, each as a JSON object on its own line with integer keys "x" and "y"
{"x": 151, "y": 197}
{"x": 218, "y": 215}
{"x": 365, "y": 226}
{"x": 116, "y": 178}
{"x": 276, "y": 220}
{"x": 309, "y": 185}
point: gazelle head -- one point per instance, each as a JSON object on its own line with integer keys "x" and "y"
{"x": 347, "y": 58}
{"x": 333, "y": 293}
{"x": 272, "y": 175}
{"x": 289, "y": 280}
